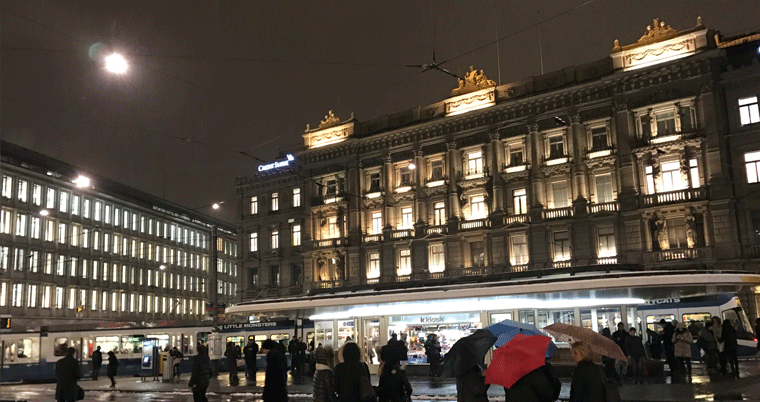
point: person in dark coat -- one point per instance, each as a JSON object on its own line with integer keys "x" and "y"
{"x": 347, "y": 373}
{"x": 283, "y": 348}
{"x": 730, "y": 346}
{"x": 635, "y": 349}
{"x": 621, "y": 366}
{"x": 540, "y": 385}
{"x": 472, "y": 387}
{"x": 201, "y": 375}
{"x": 667, "y": 344}
{"x": 176, "y": 360}
{"x": 97, "y": 361}
{"x": 300, "y": 357}
{"x": 324, "y": 379}
{"x": 757, "y": 332}
{"x": 113, "y": 365}
{"x": 232, "y": 354}
{"x": 433, "y": 353}
{"x": 393, "y": 385}
{"x": 275, "y": 383}
{"x": 67, "y": 373}
{"x": 655, "y": 344}
{"x": 587, "y": 384}
{"x": 710, "y": 345}
{"x": 609, "y": 363}
{"x": 250, "y": 351}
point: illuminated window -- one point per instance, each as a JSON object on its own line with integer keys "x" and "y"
{"x": 332, "y": 228}
{"x": 477, "y": 207}
{"x": 478, "y": 253}
{"x": 62, "y": 233}
{"x": 559, "y": 195}
{"x": 677, "y": 233}
{"x": 86, "y": 208}
{"x": 752, "y": 166}
{"x": 404, "y": 262}
{"x": 75, "y": 204}
{"x": 5, "y": 221}
{"x": 373, "y": 265}
{"x": 296, "y": 197}
{"x": 7, "y": 186}
{"x": 377, "y": 223}
{"x": 36, "y": 194}
{"x": 46, "y": 294}
{"x": 561, "y": 245}
{"x": 296, "y": 235}
{"x": 439, "y": 213}
{"x": 275, "y": 201}
{"x": 50, "y": 201}
{"x": 275, "y": 239}
{"x": 406, "y": 218}
{"x": 520, "y": 198}
{"x": 437, "y": 258}
{"x": 21, "y": 225}
{"x": 254, "y": 244}
{"x": 23, "y": 190}
{"x": 98, "y": 211}
{"x": 603, "y": 188}
{"x": 107, "y": 214}
{"x": 519, "y": 244}
{"x": 748, "y": 111}
{"x": 474, "y": 163}
{"x": 17, "y": 297}
{"x": 606, "y": 242}
{"x": 671, "y": 176}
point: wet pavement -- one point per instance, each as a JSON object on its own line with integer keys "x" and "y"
{"x": 132, "y": 389}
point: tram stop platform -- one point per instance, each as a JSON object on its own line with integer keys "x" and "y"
{"x": 702, "y": 388}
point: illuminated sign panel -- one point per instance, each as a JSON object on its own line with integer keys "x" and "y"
{"x": 277, "y": 164}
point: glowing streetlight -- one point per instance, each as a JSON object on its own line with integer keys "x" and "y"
{"x": 412, "y": 166}
{"x": 44, "y": 212}
{"x": 215, "y": 206}
{"x": 116, "y": 63}
{"x": 81, "y": 181}
{"x": 162, "y": 266}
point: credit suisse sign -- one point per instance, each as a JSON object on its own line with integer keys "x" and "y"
{"x": 277, "y": 164}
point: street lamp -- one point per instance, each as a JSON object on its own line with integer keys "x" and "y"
{"x": 44, "y": 212}
{"x": 116, "y": 63}
{"x": 81, "y": 181}
{"x": 217, "y": 205}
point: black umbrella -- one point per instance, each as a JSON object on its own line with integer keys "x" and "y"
{"x": 467, "y": 353}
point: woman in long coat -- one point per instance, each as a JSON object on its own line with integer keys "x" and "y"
{"x": 113, "y": 364}
{"x": 587, "y": 384}
{"x": 682, "y": 340}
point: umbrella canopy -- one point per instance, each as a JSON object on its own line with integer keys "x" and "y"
{"x": 598, "y": 342}
{"x": 507, "y": 329}
{"x": 516, "y": 359}
{"x": 467, "y": 353}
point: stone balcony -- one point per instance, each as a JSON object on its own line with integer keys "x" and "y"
{"x": 612, "y": 206}
{"x": 483, "y": 223}
{"x": 752, "y": 251}
{"x": 685, "y": 195}
{"x": 329, "y": 243}
{"x": 558, "y": 213}
{"x": 522, "y": 218}
{"x": 654, "y": 257}
{"x": 402, "y": 234}
{"x": 372, "y": 238}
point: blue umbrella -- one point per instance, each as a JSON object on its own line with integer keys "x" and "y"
{"x": 507, "y": 329}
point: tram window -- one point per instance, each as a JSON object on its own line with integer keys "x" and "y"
{"x": 309, "y": 338}
{"x": 605, "y": 318}
{"x": 499, "y": 317}
{"x": 132, "y": 344}
{"x": 203, "y": 338}
{"x": 108, "y": 343}
{"x": 162, "y": 341}
{"x": 237, "y": 340}
{"x": 653, "y": 321}
{"x": 59, "y": 346}
{"x": 739, "y": 324}
{"x": 21, "y": 349}
{"x": 259, "y": 339}
{"x": 698, "y": 319}
{"x": 279, "y": 337}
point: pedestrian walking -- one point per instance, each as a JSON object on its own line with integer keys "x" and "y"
{"x": 300, "y": 357}
{"x": 619, "y": 336}
{"x": 587, "y": 384}
{"x": 251, "y": 350}
{"x": 324, "y": 378}
{"x": 176, "y": 360}
{"x": 232, "y": 354}
{"x": 667, "y": 344}
{"x": 540, "y": 385}
{"x": 347, "y": 373}
{"x": 682, "y": 340}
{"x": 730, "y": 346}
{"x": 67, "y": 373}
{"x": 717, "y": 331}
{"x": 709, "y": 344}
{"x": 472, "y": 387}
{"x": 97, "y": 361}
{"x": 275, "y": 382}
{"x": 608, "y": 362}
{"x": 634, "y": 348}
{"x": 433, "y": 353}
{"x": 112, "y": 368}
{"x": 393, "y": 385}
{"x": 312, "y": 362}
{"x": 654, "y": 340}
{"x": 200, "y": 375}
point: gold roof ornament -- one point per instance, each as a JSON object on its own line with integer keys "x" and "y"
{"x": 330, "y": 120}
{"x": 658, "y": 32}
{"x": 473, "y": 81}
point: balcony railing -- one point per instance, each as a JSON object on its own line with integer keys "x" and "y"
{"x": 373, "y": 237}
{"x": 373, "y": 281}
{"x": 403, "y": 278}
{"x": 515, "y": 168}
{"x": 558, "y": 213}
{"x": 518, "y": 268}
{"x": 598, "y": 153}
{"x": 330, "y": 243}
{"x": 439, "y": 229}
{"x": 473, "y": 173}
{"x": 562, "y": 264}
{"x": 471, "y": 271}
{"x": 605, "y": 206}
{"x": 606, "y": 260}
{"x": 679, "y": 254}
{"x": 402, "y": 233}
{"x": 522, "y": 218}
{"x": 295, "y": 290}
{"x": 329, "y": 284}
{"x": 474, "y": 224}
{"x": 556, "y": 160}
{"x": 688, "y": 194}
{"x": 753, "y": 250}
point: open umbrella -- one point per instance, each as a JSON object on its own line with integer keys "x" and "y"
{"x": 467, "y": 353}
{"x": 598, "y": 342}
{"x": 517, "y": 358}
{"x": 507, "y": 329}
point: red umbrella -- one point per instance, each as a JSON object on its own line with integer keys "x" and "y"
{"x": 598, "y": 342}
{"x": 518, "y": 357}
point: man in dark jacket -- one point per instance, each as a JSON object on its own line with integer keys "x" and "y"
{"x": 667, "y": 343}
{"x": 292, "y": 348}
{"x": 67, "y": 372}
{"x": 97, "y": 361}
{"x": 619, "y": 336}
{"x": 250, "y": 351}
{"x": 540, "y": 385}
{"x": 275, "y": 383}
{"x": 730, "y": 341}
{"x": 300, "y": 357}
{"x": 635, "y": 349}
{"x": 471, "y": 387}
{"x": 433, "y": 353}
{"x": 201, "y": 375}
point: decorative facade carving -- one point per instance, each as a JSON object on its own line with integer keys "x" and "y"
{"x": 473, "y": 81}
{"x": 659, "y": 32}
{"x": 329, "y": 121}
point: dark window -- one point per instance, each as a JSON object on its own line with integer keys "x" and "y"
{"x": 406, "y": 177}
{"x": 274, "y": 276}
{"x": 515, "y": 156}
{"x": 646, "y": 126}
{"x": 478, "y": 254}
{"x": 374, "y": 182}
{"x": 296, "y": 272}
{"x": 666, "y": 123}
{"x": 686, "y": 124}
{"x": 756, "y": 226}
{"x": 331, "y": 187}
{"x": 436, "y": 170}
{"x": 254, "y": 278}
{"x": 598, "y": 138}
{"x": 556, "y": 147}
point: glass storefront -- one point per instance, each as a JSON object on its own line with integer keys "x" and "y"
{"x": 324, "y": 333}
{"x": 371, "y": 340}
{"x": 415, "y": 330}
{"x": 345, "y": 332}
{"x": 597, "y": 319}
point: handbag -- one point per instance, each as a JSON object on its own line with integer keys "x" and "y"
{"x": 240, "y": 362}
{"x": 80, "y": 393}
{"x": 366, "y": 390}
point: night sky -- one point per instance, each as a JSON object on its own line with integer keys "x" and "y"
{"x": 209, "y": 79}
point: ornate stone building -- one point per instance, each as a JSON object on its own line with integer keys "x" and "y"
{"x": 635, "y": 163}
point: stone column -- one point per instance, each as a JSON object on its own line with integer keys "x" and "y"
{"x": 537, "y": 183}
{"x": 420, "y": 213}
{"x": 354, "y": 190}
{"x": 496, "y": 160}
{"x": 388, "y": 191}
{"x": 625, "y": 133}
{"x": 577, "y": 132}
{"x": 454, "y": 167}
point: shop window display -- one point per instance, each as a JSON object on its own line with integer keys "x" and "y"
{"x": 415, "y": 330}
